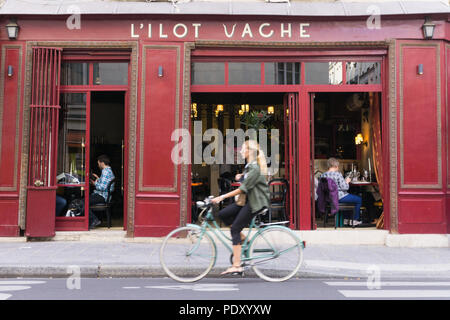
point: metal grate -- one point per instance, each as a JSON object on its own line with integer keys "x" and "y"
{"x": 44, "y": 116}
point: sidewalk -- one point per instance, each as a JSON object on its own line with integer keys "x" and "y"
{"x": 136, "y": 258}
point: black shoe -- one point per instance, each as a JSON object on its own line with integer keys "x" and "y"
{"x": 95, "y": 224}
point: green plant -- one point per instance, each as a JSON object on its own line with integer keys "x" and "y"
{"x": 255, "y": 119}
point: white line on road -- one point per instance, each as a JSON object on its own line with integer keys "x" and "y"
{"x": 389, "y": 284}
{"x": 199, "y": 287}
{"x": 13, "y": 288}
{"x": 396, "y": 293}
{"x": 9, "y": 282}
{"x": 4, "y": 296}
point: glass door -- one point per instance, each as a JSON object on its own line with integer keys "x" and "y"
{"x": 72, "y": 195}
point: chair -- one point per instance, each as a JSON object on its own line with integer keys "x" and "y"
{"x": 224, "y": 187}
{"x": 107, "y": 205}
{"x": 338, "y": 217}
{"x": 278, "y": 189}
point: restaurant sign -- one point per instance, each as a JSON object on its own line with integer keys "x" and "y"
{"x": 243, "y": 31}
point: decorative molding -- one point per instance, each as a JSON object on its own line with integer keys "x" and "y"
{"x": 133, "y": 45}
{"x": 2, "y": 106}
{"x": 393, "y": 201}
{"x": 438, "y": 115}
{"x": 290, "y": 45}
{"x": 141, "y": 187}
{"x": 447, "y": 47}
{"x": 188, "y": 47}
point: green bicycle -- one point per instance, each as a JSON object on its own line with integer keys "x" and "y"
{"x": 189, "y": 253}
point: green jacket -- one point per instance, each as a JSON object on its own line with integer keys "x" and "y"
{"x": 255, "y": 187}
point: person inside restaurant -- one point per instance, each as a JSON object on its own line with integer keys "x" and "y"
{"x": 100, "y": 193}
{"x": 343, "y": 186}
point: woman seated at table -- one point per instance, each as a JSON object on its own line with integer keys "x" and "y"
{"x": 342, "y": 185}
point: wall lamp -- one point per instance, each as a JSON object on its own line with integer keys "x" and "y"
{"x": 428, "y": 28}
{"x": 160, "y": 72}
{"x": 12, "y": 28}
{"x": 360, "y": 140}
{"x": 420, "y": 69}
{"x": 10, "y": 71}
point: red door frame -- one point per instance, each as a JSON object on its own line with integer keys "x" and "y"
{"x": 304, "y": 92}
{"x": 82, "y": 223}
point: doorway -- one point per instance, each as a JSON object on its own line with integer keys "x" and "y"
{"x": 107, "y": 138}
{"x": 91, "y": 124}
{"x": 347, "y": 126}
{"x": 228, "y": 113}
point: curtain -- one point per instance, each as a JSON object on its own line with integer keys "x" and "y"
{"x": 376, "y": 146}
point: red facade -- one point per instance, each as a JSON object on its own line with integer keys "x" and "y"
{"x": 415, "y": 116}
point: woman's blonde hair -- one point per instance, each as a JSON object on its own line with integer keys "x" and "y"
{"x": 253, "y": 146}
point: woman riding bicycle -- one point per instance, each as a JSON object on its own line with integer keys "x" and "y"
{"x": 254, "y": 186}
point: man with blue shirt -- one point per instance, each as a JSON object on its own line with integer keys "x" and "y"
{"x": 100, "y": 193}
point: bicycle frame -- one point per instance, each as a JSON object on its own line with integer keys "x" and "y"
{"x": 205, "y": 227}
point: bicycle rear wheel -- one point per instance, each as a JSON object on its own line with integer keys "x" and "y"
{"x": 187, "y": 254}
{"x": 276, "y": 254}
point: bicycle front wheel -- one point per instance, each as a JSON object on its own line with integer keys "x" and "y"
{"x": 276, "y": 254}
{"x": 187, "y": 254}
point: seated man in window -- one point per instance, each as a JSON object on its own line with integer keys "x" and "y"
{"x": 100, "y": 193}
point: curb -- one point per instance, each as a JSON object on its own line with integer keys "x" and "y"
{"x": 309, "y": 270}
{"x": 352, "y": 237}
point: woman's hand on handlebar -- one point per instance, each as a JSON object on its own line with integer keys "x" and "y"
{"x": 217, "y": 199}
{"x": 238, "y": 177}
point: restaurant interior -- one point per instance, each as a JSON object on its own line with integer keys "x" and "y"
{"x": 346, "y": 126}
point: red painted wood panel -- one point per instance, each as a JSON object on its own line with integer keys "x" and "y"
{"x": 421, "y": 215}
{"x": 10, "y": 134}
{"x": 421, "y": 210}
{"x": 8, "y": 218}
{"x": 41, "y": 212}
{"x": 159, "y": 119}
{"x": 156, "y": 217}
{"x": 9, "y": 141}
{"x": 418, "y": 123}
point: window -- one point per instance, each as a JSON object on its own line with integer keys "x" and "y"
{"x": 111, "y": 73}
{"x": 208, "y": 73}
{"x": 74, "y": 73}
{"x": 323, "y": 72}
{"x": 72, "y": 136}
{"x": 282, "y": 72}
{"x": 244, "y": 73}
{"x": 363, "y": 73}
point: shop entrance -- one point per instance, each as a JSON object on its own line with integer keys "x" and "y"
{"x": 92, "y": 123}
{"x": 107, "y": 138}
{"x": 231, "y": 113}
{"x": 347, "y": 126}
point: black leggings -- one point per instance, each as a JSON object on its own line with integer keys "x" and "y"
{"x": 238, "y": 217}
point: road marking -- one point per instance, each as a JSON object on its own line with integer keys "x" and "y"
{"x": 4, "y": 296}
{"x": 14, "y": 288}
{"x": 200, "y": 287}
{"x": 131, "y": 287}
{"x": 389, "y": 284}
{"x": 396, "y": 293}
{"x": 9, "y": 282}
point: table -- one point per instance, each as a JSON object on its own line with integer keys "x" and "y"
{"x": 365, "y": 195}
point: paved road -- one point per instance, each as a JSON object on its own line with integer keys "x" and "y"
{"x": 221, "y": 289}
